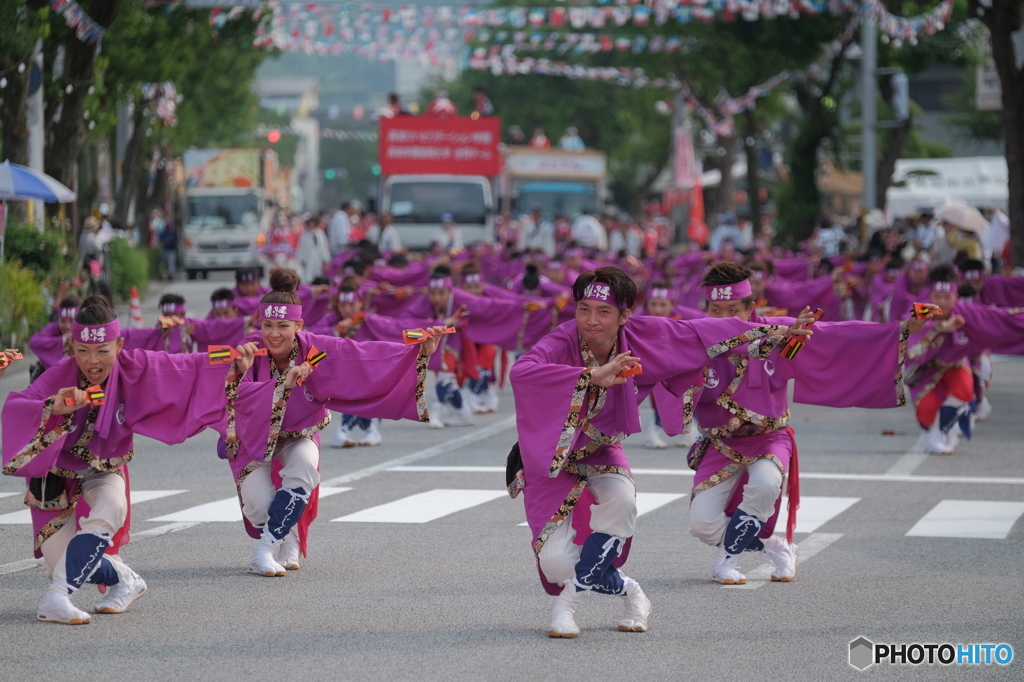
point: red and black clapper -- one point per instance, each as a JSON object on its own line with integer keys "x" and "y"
{"x": 95, "y": 394}
{"x": 222, "y": 355}
{"x": 413, "y": 337}
{"x": 5, "y": 360}
{"x": 631, "y": 371}
{"x": 358, "y": 318}
{"x": 313, "y": 357}
{"x": 794, "y": 345}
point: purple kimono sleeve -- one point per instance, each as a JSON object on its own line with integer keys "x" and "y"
{"x": 995, "y": 329}
{"x": 851, "y": 364}
{"x": 151, "y": 339}
{"x": 369, "y": 378}
{"x": 32, "y": 435}
{"x": 173, "y": 397}
{"x": 543, "y": 385}
{"x": 48, "y": 344}
{"x": 219, "y": 331}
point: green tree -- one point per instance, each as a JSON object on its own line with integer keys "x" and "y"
{"x": 212, "y": 70}
{"x": 22, "y": 26}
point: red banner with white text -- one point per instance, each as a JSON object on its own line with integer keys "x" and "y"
{"x": 455, "y": 146}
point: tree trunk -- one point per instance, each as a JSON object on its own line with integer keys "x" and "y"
{"x": 12, "y": 118}
{"x": 724, "y": 197}
{"x": 892, "y": 148}
{"x": 753, "y": 181}
{"x": 1002, "y": 19}
{"x": 131, "y": 166}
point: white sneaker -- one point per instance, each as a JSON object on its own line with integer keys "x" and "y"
{"x": 637, "y": 608}
{"x": 434, "y": 412}
{"x": 288, "y": 557}
{"x": 562, "y": 622}
{"x": 263, "y": 561}
{"x": 782, "y": 556}
{"x": 342, "y": 438}
{"x": 952, "y": 440}
{"x": 725, "y": 570}
{"x": 57, "y": 608}
{"x": 122, "y": 595}
{"x": 476, "y": 405}
{"x": 491, "y": 399}
{"x": 935, "y": 439}
{"x": 984, "y": 410}
{"x": 653, "y": 439}
{"x": 462, "y": 416}
{"x": 372, "y": 436}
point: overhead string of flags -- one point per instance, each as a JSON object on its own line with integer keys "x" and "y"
{"x": 86, "y": 29}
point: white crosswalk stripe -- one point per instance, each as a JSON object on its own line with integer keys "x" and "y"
{"x": 225, "y": 511}
{"x": 24, "y": 516}
{"x": 814, "y": 512}
{"x": 969, "y": 519}
{"x": 423, "y": 507}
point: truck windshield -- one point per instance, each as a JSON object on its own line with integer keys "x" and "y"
{"x": 554, "y": 204}
{"x": 214, "y": 211}
{"x": 426, "y": 202}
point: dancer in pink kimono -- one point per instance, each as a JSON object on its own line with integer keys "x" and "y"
{"x": 71, "y": 434}
{"x": 938, "y": 368}
{"x": 277, "y": 406}
{"x": 747, "y": 447}
{"x": 574, "y": 407}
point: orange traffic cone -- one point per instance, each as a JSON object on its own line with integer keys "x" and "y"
{"x": 135, "y": 308}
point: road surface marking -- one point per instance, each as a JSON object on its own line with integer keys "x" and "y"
{"x": 423, "y": 507}
{"x": 968, "y": 519}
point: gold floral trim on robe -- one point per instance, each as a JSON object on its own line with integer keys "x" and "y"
{"x": 42, "y": 440}
{"x": 421, "y": 382}
{"x": 276, "y": 414}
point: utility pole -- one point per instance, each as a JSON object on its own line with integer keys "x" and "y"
{"x": 36, "y": 128}
{"x": 869, "y": 110}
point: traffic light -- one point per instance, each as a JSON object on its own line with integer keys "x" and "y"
{"x": 274, "y": 136}
{"x": 375, "y": 169}
{"x": 330, "y": 174}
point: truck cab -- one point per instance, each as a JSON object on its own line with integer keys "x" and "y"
{"x": 224, "y": 208}
{"x": 222, "y": 229}
{"x": 417, "y": 202}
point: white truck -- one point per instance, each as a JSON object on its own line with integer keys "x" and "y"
{"x": 433, "y": 166}
{"x": 558, "y": 182}
{"x": 225, "y": 208}
{"x": 417, "y": 202}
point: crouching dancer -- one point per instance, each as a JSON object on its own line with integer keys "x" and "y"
{"x": 577, "y": 396}
{"x": 277, "y": 406}
{"x": 71, "y": 434}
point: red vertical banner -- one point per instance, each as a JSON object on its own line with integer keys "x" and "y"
{"x": 685, "y": 161}
{"x": 459, "y": 145}
{"x": 697, "y": 230}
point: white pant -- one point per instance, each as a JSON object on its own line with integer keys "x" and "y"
{"x": 299, "y": 458}
{"x": 108, "y": 509}
{"x": 707, "y": 511}
{"x": 614, "y": 514}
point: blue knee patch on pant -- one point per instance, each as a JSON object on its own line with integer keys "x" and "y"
{"x": 594, "y": 570}
{"x": 104, "y": 574}
{"x": 285, "y": 510}
{"x": 82, "y": 558}
{"x": 741, "y": 532}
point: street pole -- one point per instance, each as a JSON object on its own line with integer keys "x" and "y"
{"x": 869, "y": 110}
{"x": 36, "y": 128}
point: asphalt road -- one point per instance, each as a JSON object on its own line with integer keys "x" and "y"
{"x": 890, "y": 551}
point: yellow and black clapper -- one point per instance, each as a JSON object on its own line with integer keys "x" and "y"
{"x": 96, "y": 395}
{"x": 314, "y": 356}
{"x": 221, "y": 355}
